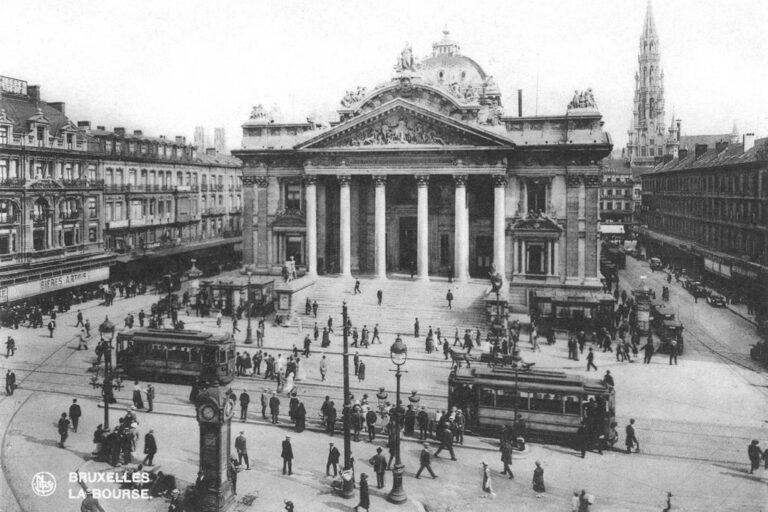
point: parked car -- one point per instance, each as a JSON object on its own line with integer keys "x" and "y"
{"x": 698, "y": 290}
{"x": 717, "y": 301}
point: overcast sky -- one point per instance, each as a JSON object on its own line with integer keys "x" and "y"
{"x": 166, "y": 66}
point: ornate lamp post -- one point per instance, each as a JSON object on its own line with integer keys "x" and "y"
{"x": 169, "y": 277}
{"x": 248, "y": 338}
{"x": 107, "y": 334}
{"x": 399, "y": 354}
{"x": 347, "y": 489}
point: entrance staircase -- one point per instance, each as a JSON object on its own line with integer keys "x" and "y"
{"x": 403, "y": 301}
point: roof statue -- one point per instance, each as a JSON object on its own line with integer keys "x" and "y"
{"x": 352, "y": 97}
{"x": 405, "y": 61}
{"x": 259, "y": 113}
{"x": 583, "y": 99}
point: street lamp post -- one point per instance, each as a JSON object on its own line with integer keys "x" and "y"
{"x": 248, "y": 338}
{"x": 347, "y": 489}
{"x": 170, "y": 289}
{"x": 107, "y": 328}
{"x": 399, "y": 354}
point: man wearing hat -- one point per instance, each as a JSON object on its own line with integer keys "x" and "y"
{"x": 425, "y": 462}
{"x": 365, "y": 498}
{"x": 175, "y": 504}
{"x": 379, "y": 463}
{"x": 150, "y": 448}
{"x": 333, "y": 460}
{"x": 287, "y": 455}
{"x": 242, "y": 450}
{"x": 274, "y": 407}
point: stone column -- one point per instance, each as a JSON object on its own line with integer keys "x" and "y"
{"x": 461, "y": 245}
{"x": 261, "y": 247}
{"x": 422, "y": 231}
{"x": 380, "y": 224}
{"x": 499, "y": 225}
{"x": 345, "y": 227}
{"x": 310, "y": 189}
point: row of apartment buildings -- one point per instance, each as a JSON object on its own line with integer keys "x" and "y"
{"x": 90, "y": 203}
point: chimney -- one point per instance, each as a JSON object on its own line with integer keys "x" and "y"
{"x": 181, "y": 140}
{"x": 58, "y": 105}
{"x": 162, "y": 137}
{"x": 700, "y": 150}
{"x": 519, "y": 103}
{"x": 33, "y": 91}
{"x": 210, "y": 151}
{"x": 137, "y": 133}
{"x": 119, "y": 131}
{"x": 101, "y": 128}
{"x": 84, "y": 124}
{"x": 720, "y": 146}
{"x": 682, "y": 153}
{"x": 749, "y": 141}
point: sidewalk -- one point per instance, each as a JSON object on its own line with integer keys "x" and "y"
{"x": 741, "y": 310}
{"x": 30, "y": 447}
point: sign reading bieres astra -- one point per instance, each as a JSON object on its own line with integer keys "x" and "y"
{"x": 52, "y": 284}
{"x": 13, "y": 85}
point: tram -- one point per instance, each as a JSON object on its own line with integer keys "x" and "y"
{"x": 552, "y": 404}
{"x": 572, "y": 313}
{"x": 167, "y": 355}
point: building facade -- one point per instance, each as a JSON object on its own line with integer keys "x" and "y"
{"x": 649, "y": 138}
{"x": 424, "y": 173}
{"x": 81, "y": 205}
{"x": 707, "y": 211}
{"x": 51, "y": 198}
{"x": 617, "y": 197}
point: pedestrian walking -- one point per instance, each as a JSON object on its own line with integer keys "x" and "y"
{"x": 591, "y": 360}
{"x": 323, "y": 368}
{"x": 51, "y": 327}
{"x": 314, "y": 308}
{"x": 425, "y": 462}
{"x": 234, "y": 326}
{"x": 330, "y": 324}
{"x": 356, "y": 362}
{"x": 63, "y": 427}
{"x": 487, "y": 487}
{"x": 245, "y": 399}
{"x": 361, "y": 372}
{"x": 287, "y": 455}
{"x": 379, "y": 463}
{"x": 446, "y": 441}
{"x": 150, "y": 393}
{"x": 138, "y": 401}
{"x": 79, "y": 319}
{"x": 74, "y": 414}
{"x": 423, "y": 420}
{"x": 357, "y": 287}
{"x": 10, "y": 382}
{"x": 379, "y": 296}
{"x": 241, "y": 445}
{"x": 10, "y": 347}
{"x": 150, "y": 448}
{"x": 87, "y": 327}
{"x": 538, "y": 479}
{"x": 82, "y": 340}
{"x": 506, "y": 458}
{"x": 142, "y": 316}
{"x": 754, "y": 453}
{"x": 264, "y": 403}
{"x": 449, "y": 298}
{"x": 333, "y": 460}
{"x": 375, "y": 334}
{"x": 631, "y": 439}
{"x": 274, "y": 407}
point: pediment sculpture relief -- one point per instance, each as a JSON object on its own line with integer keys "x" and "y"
{"x": 405, "y": 131}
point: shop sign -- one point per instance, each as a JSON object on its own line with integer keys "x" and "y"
{"x": 51, "y": 284}
{"x": 749, "y": 274}
{"x": 723, "y": 269}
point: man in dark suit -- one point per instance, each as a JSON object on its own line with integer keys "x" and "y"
{"x": 245, "y": 399}
{"x": 63, "y": 427}
{"x": 74, "y": 414}
{"x": 379, "y": 463}
{"x": 631, "y": 438}
{"x": 274, "y": 407}
{"x": 150, "y": 448}
{"x": 242, "y": 450}
{"x": 423, "y": 420}
{"x": 447, "y": 442}
{"x": 330, "y": 420}
{"x": 287, "y": 455}
{"x": 425, "y": 460}
{"x": 10, "y": 382}
{"x": 333, "y": 460}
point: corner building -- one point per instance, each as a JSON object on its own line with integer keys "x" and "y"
{"x": 425, "y": 173}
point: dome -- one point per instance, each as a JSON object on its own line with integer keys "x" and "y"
{"x": 447, "y": 66}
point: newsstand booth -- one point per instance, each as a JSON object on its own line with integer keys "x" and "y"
{"x": 227, "y": 295}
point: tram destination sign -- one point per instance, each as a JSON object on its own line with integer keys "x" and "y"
{"x": 54, "y": 283}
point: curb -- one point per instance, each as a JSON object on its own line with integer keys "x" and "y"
{"x": 742, "y": 315}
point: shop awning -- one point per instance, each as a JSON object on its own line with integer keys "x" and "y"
{"x": 611, "y": 229}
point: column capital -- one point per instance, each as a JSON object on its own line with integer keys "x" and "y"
{"x": 422, "y": 180}
{"x": 259, "y": 181}
{"x": 344, "y": 179}
{"x": 572, "y": 181}
{"x": 460, "y": 180}
{"x": 499, "y": 180}
{"x": 379, "y": 180}
{"x": 310, "y": 179}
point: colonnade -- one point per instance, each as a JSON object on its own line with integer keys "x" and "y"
{"x": 461, "y": 231}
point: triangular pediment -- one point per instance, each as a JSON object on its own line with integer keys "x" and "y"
{"x": 537, "y": 223}
{"x": 402, "y": 124}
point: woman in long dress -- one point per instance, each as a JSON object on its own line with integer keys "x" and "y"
{"x": 487, "y": 480}
{"x": 538, "y": 478}
{"x": 301, "y": 373}
{"x": 288, "y": 388}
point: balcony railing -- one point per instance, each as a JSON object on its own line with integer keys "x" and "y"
{"x": 12, "y": 182}
{"x": 70, "y": 216}
{"x": 204, "y": 187}
{"x": 82, "y": 183}
{"x": 38, "y": 219}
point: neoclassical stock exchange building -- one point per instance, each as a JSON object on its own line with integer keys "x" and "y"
{"x": 425, "y": 173}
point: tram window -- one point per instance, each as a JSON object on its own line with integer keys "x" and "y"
{"x": 178, "y": 353}
{"x": 158, "y": 351}
{"x": 505, "y": 399}
{"x": 487, "y": 397}
{"x": 522, "y": 400}
{"x": 194, "y": 355}
{"x": 547, "y": 403}
{"x": 230, "y": 354}
{"x": 572, "y": 405}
